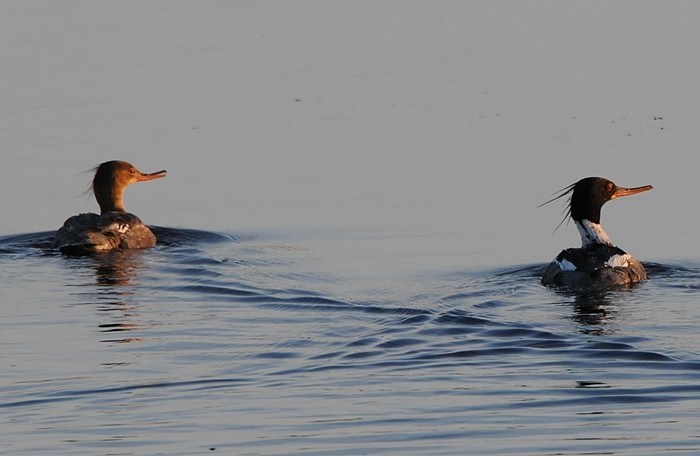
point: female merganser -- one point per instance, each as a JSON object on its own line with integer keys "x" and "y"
{"x": 597, "y": 264}
{"x": 114, "y": 228}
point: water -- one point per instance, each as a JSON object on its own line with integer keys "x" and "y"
{"x": 239, "y": 345}
{"x": 349, "y": 246}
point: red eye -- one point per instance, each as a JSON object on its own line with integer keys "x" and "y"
{"x": 609, "y": 186}
{"x": 131, "y": 170}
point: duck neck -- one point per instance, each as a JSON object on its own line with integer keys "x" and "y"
{"x": 592, "y": 233}
{"x": 111, "y": 200}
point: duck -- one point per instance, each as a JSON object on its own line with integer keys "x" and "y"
{"x": 598, "y": 263}
{"x": 114, "y": 228}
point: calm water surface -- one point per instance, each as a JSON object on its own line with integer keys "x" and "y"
{"x": 245, "y": 344}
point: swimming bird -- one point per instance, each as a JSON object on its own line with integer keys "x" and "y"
{"x": 598, "y": 263}
{"x": 114, "y": 228}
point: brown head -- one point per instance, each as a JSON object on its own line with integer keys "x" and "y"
{"x": 111, "y": 178}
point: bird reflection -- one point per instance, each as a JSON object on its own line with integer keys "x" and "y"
{"x": 116, "y": 268}
{"x": 594, "y": 311}
{"x": 590, "y": 312}
{"x": 115, "y": 274}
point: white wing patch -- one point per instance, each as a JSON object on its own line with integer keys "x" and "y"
{"x": 618, "y": 261}
{"x": 118, "y": 226}
{"x": 566, "y": 265}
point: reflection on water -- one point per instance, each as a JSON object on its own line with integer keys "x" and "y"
{"x": 115, "y": 273}
{"x": 590, "y": 311}
{"x": 594, "y": 311}
{"x": 117, "y": 268}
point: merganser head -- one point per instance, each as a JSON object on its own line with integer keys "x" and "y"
{"x": 591, "y": 193}
{"x": 587, "y": 198}
{"x": 111, "y": 178}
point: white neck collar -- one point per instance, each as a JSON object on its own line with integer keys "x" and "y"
{"x": 592, "y": 233}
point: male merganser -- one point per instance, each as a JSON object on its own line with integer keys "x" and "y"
{"x": 597, "y": 264}
{"x": 114, "y": 228}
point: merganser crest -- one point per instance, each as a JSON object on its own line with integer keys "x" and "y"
{"x": 598, "y": 263}
{"x": 114, "y": 228}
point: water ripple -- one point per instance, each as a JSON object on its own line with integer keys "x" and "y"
{"x": 238, "y": 327}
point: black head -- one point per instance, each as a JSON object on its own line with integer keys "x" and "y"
{"x": 588, "y": 197}
{"x": 589, "y": 194}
